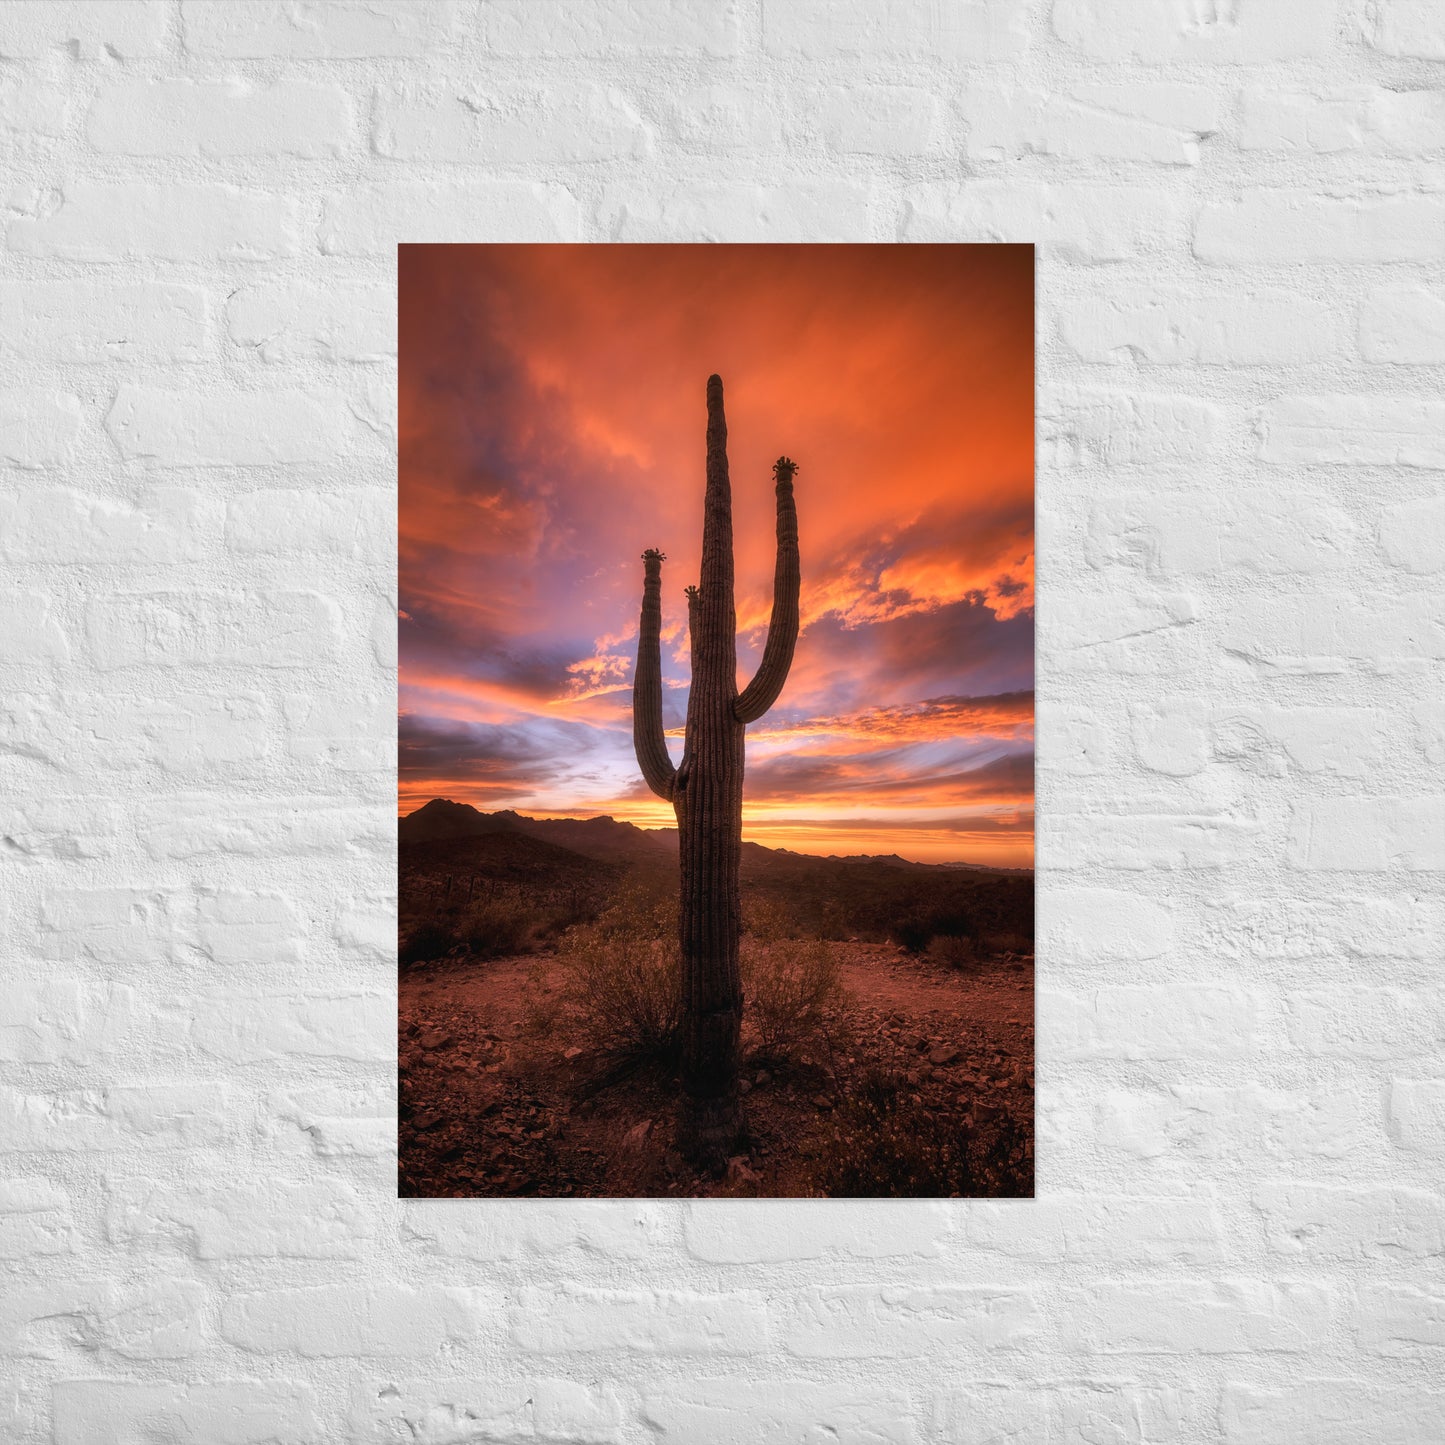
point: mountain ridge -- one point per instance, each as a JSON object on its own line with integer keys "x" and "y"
{"x": 604, "y": 838}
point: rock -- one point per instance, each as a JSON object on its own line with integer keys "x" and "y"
{"x": 635, "y": 1137}
{"x": 740, "y": 1173}
{"x": 823, "y": 1102}
{"x": 764, "y": 1078}
{"x": 744, "y": 1087}
{"x": 424, "y": 1121}
{"x": 943, "y": 1054}
{"x": 572, "y": 1053}
{"x": 436, "y": 1039}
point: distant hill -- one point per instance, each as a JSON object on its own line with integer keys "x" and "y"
{"x": 450, "y": 850}
{"x": 603, "y": 839}
{"x": 607, "y": 840}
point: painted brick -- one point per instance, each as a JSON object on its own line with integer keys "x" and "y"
{"x": 333, "y": 1121}
{"x": 570, "y": 126}
{"x": 1092, "y": 925}
{"x": 35, "y": 1219}
{"x": 110, "y": 925}
{"x": 1252, "y": 31}
{"x": 345, "y": 1320}
{"x": 973, "y": 31}
{"x": 200, "y": 629}
{"x": 1329, "y": 1411}
{"x": 337, "y": 30}
{"x": 1403, "y": 325}
{"x": 1326, "y": 1221}
{"x": 1409, "y": 28}
{"x": 869, "y": 1229}
{"x": 1366, "y": 1022}
{"x": 289, "y": 321}
{"x": 258, "y": 1025}
{"x": 136, "y": 1118}
{"x": 558, "y": 28}
{"x": 1412, "y": 535}
{"x": 220, "y": 119}
{"x": 573, "y": 1319}
{"x": 1417, "y": 1115}
{"x": 32, "y": 108}
{"x": 1143, "y": 1021}
{"x": 228, "y": 429}
{"x": 1172, "y": 326}
{"x": 1273, "y": 226}
{"x": 281, "y": 1219}
{"x": 1084, "y": 225}
{"x": 194, "y": 826}
{"x": 58, "y": 525}
{"x": 373, "y": 220}
{"x": 1186, "y": 1123}
{"x": 82, "y": 322}
{"x": 716, "y": 1411}
{"x": 537, "y": 1229}
{"x": 530, "y": 1409}
{"x": 1243, "y": 1316}
{"x": 134, "y": 221}
{"x": 37, "y": 428}
{"x": 54, "y": 1019}
{"x": 1161, "y": 124}
{"x": 241, "y": 1412}
{"x": 1370, "y": 834}
{"x": 711, "y": 211}
{"x": 1400, "y": 431}
{"x": 1400, "y": 1320}
{"x": 1377, "y": 122}
{"x": 35, "y": 29}
{"x": 859, "y": 1322}
{"x": 356, "y": 524}
{"x": 887, "y": 120}
{"x": 1077, "y": 1227}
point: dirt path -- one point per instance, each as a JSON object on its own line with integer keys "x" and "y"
{"x": 488, "y": 1111}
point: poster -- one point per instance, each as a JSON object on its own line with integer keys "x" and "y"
{"x": 716, "y": 721}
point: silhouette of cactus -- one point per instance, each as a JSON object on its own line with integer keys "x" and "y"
{"x": 706, "y": 789}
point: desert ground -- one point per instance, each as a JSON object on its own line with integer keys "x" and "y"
{"x": 533, "y": 1044}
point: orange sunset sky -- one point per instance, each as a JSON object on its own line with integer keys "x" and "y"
{"x": 552, "y": 420}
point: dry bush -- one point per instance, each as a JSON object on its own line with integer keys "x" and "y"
{"x": 618, "y": 992}
{"x": 957, "y": 954}
{"x": 883, "y": 1145}
{"x": 497, "y": 927}
{"x": 790, "y": 985}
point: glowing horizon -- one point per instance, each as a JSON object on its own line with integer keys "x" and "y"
{"x": 551, "y": 428}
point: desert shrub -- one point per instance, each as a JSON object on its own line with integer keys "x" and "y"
{"x": 496, "y": 927}
{"x": 883, "y": 1145}
{"x": 953, "y": 953}
{"x": 917, "y": 927}
{"x": 426, "y": 943}
{"x": 789, "y": 987}
{"x": 617, "y": 993}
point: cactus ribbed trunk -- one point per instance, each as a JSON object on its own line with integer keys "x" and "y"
{"x": 706, "y": 791}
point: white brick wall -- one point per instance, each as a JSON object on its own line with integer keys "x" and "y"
{"x": 1241, "y": 1223}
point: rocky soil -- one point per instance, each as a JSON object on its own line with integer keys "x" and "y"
{"x": 487, "y": 1110}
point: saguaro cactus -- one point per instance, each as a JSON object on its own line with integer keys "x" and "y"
{"x": 706, "y": 789}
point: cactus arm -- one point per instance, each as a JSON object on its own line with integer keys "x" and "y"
{"x": 648, "y": 739}
{"x": 762, "y": 692}
{"x": 684, "y": 768}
